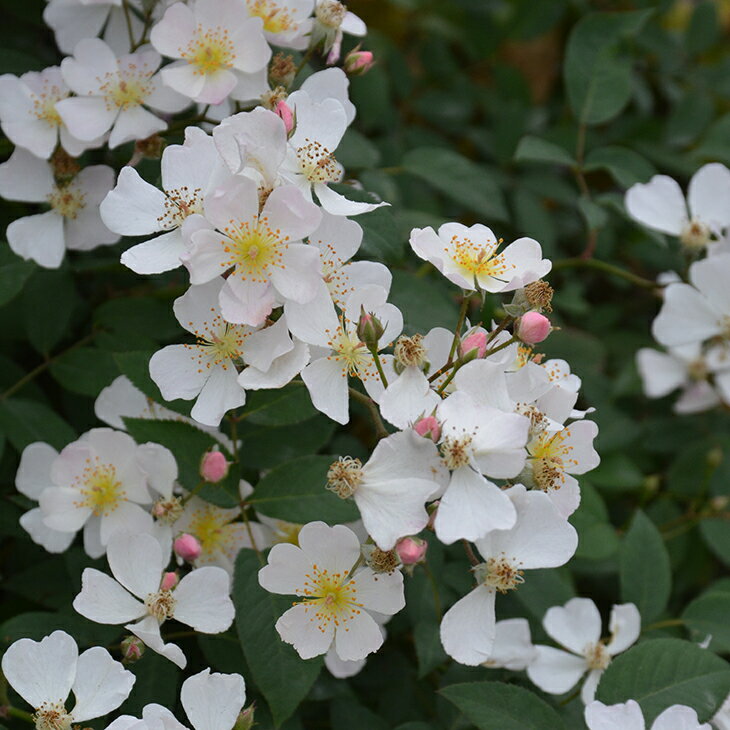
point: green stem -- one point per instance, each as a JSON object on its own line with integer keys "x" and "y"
{"x": 500, "y": 347}
{"x": 20, "y": 714}
{"x": 43, "y": 366}
{"x": 459, "y": 324}
{"x": 668, "y": 623}
{"x": 606, "y": 268}
{"x": 128, "y": 20}
{"x": 380, "y": 430}
{"x": 247, "y": 522}
{"x": 379, "y": 366}
{"x": 443, "y": 385}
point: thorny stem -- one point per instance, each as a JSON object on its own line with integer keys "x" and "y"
{"x": 380, "y": 430}
{"x": 607, "y": 268}
{"x": 43, "y": 366}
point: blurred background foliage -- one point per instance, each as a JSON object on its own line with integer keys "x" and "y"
{"x": 530, "y": 117}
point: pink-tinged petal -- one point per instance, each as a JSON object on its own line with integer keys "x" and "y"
{"x": 299, "y": 627}
{"x": 101, "y": 685}
{"x": 709, "y": 196}
{"x": 359, "y": 637}
{"x": 576, "y": 625}
{"x": 685, "y": 317}
{"x": 50, "y": 540}
{"x": 626, "y": 716}
{"x": 183, "y": 78}
{"x": 157, "y": 255}
{"x": 148, "y": 629}
{"x": 326, "y": 381}
{"x": 134, "y": 207}
{"x": 658, "y": 204}
{"x": 217, "y": 87}
{"x": 625, "y": 627}
{"x": 87, "y": 117}
{"x": 63, "y": 510}
{"x": 213, "y": 701}
{"x": 202, "y": 600}
{"x": 179, "y": 371}
{"x": 337, "y": 204}
{"x": 134, "y": 123}
{"x": 471, "y": 507}
{"x": 555, "y": 671}
{"x": 244, "y": 301}
{"x": 221, "y": 393}
{"x": 136, "y": 561}
{"x": 300, "y": 276}
{"x": 26, "y": 177}
{"x": 41, "y": 671}
{"x": 287, "y": 211}
{"x": 468, "y": 627}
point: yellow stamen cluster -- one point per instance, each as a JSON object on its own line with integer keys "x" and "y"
{"x": 254, "y": 248}
{"x": 99, "y": 486}
{"x": 329, "y": 598}
{"x": 179, "y": 204}
{"x": 44, "y": 104}
{"x": 477, "y": 259}
{"x": 67, "y": 200}
{"x": 276, "y": 19}
{"x": 52, "y": 716}
{"x": 207, "y": 524}
{"x": 127, "y": 88}
{"x": 499, "y": 573}
{"x": 696, "y": 235}
{"x": 219, "y": 343}
{"x": 352, "y": 354}
{"x": 161, "y": 605}
{"x": 456, "y": 452}
{"x": 597, "y": 656}
{"x": 317, "y": 163}
{"x": 210, "y": 50}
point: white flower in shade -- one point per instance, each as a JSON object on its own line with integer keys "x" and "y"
{"x": 343, "y": 669}
{"x": 577, "y": 627}
{"x": 99, "y": 484}
{"x": 34, "y": 476}
{"x": 699, "y": 310}
{"x": 391, "y": 489}
{"x": 114, "y": 94}
{"x": 513, "y": 648}
{"x": 541, "y": 538}
{"x": 330, "y": 83}
{"x": 45, "y": 672}
{"x": 334, "y": 606}
{"x": 143, "y": 594}
{"x": 337, "y": 239}
{"x": 467, "y": 256}
{"x": 332, "y": 20}
{"x": 222, "y": 50}
{"x": 660, "y": 205}
{"x": 628, "y": 716}
{"x": 287, "y": 23}
{"x": 410, "y": 395}
{"x": 310, "y": 162}
{"x": 559, "y": 400}
{"x": 208, "y": 370}
{"x": 344, "y": 355}
{"x": 269, "y": 262}
{"x": 211, "y": 701}
{"x": 73, "y": 222}
{"x": 477, "y": 440}
{"x": 555, "y": 455}
{"x": 136, "y": 208}
{"x": 220, "y": 537}
{"x": 721, "y": 720}
{"x": 685, "y": 367}
{"x": 28, "y": 113}
{"x": 120, "y": 400}
{"x": 74, "y": 20}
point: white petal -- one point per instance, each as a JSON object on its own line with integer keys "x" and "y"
{"x": 625, "y": 627}
{"x": 51, "y": 540}
{"x": 658, "y": 204}
{"x": 136, "y": 561}
{"x": 178, "y": 371}
{"x": 148, "y": 629}
{"x": 660, "y": 373}
{"x": 326, "y": 381}
{"x": 590, "y": 685}
{"x": 202, "y": 600}
{"x": 34, "y": 470}
{"x": 686, "y": 316}
{"x": 25, "y": 177}
{"x": 61, "y": 509}
{"x": 39, "y": 238}
{"x": 576, "y": 625}
{"x": 381, "y": 592}
{"x": 101, "y": 685}
{"x": 626, "y": 716}
{"x": 361, "y": 636}
{"x": 286, "y": 569}
{"x": 407, "y": 398}
{"x": 298, "y": 627}
{"x": 709, "y": 195}
{"x": 337, "y": 204}
{"x": 468, "y": 627}
{"x": 213, "y": 701}
{"x": 87, "y": 117}
{"x": 220, "y": 394}
{"x": 133, "y": 207}
{"x": 103, "y": 600}
{"x": 555, "y": 671}
{"x": 710, "y": 277}
{"x": 679, "y": 717}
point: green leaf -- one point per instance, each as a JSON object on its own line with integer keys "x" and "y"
{"x": 543, "y": 589}
{"x": 157, "y": 681}
{"x": 357, "y": 152}
{"x": 14, "y": 272}
{"x": 347, "y": 714}
{"x": 277, "y": 670}
{"x": 296, "y": 492}
{"x": 534, "y": 149}
{"x": 429, "y": 651}
{"x": 646, "y": 576}
{"x": 595, "y": 216}
{"x": 597, "y": 537}
{"x": 498, "y": 706}
{"x": 37, "y": 624}
{"x": 138, "y": 315}
{"x": 281, "y": 407}
{"x": 460, "y": 179}
{"x": 716, "y": 536}
{"x": 597, "y": 74}
{"x": 85, "y": 370}
{"x": 26, "y": 421}
{"x": 665, "y": 672}
{"x": 380, "y": 239}
{"x": 188, "y": 444}
{"x": 426, "y": 302}
{"x": 708, "y": 616}
{"x": 624, "y": 165}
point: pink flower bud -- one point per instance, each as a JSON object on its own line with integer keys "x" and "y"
{"x": 132, "y": 649}
{"x": 474, "y": 346}
{"x": 428, "y": 427}
{"x": 169, "y": 581}
{"x": 187, "y": 547}
{"x": 214, "y": 467}
{"x": 284, "y": 112}
{"x": 369, "y": 329}
{"x": 358, "y": 62}
{"x": 411, "y": 550}
{"x": 533, "y": 328}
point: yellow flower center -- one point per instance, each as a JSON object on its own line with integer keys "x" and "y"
{"x": 179, "y": 204}
{"x": 286, "y": 532}
{"x": 352, "y": 354}
{"x": 218, "y": 343}
{"x": 597, "y": 656}
{"x": 161, "y": 605}
{"x": 67, "y": 200}
{"x": 127, "y": 88}
{"x": 477, "y": 259}
{"x": 344, "y": 476}
{"x": 101, "y": 489}
{"x": 276, "y": 19}
{"x": 44, "y": 105}
{"x": 317, "y": 163}
{"x": 455, "y": 451}
{"x": 207, "y": 524}
{"x": 696, "y": 235}
{"x": 550, "y": 458}
{"x": 329, "y": 598}
{"x": 52, "y": 716}
{"x": 499, "y": 573}
{"x": 210, "y": 51}
{"x": 254, "y": 248}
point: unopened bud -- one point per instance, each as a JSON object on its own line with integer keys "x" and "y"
{"x": 533, "y": 328}
{"x": 187, "y": 547}
{"x": 428, "y": 427}
{"x": 358, "y": 62}
{"x": 474, "y": 346}
{"x": 410, "y": 352}
{"x": 245, "y": 719}
{"x": 169, "y": 581}
{"x": 214, "y": 467}
{"x": 132, "y": 649}
{"x": 282, "y": 70}
{"x": 369, "y": 329}
{"x": 380, "y": 561}
{"x": 168, "y": 511}
{"x": 411, "y": 550}
{"x": 284, "y": 112}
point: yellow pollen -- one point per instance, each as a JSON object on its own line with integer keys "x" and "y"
{"x": 101, "y": 489}
{"x": 210, "y": 50}
{"x": 127, "y": 88}
{"x": 207, "y": 524}
{"x": 218, "y": 342}
{"x": 499, "y": 573}
{"x": 550, "y": 458}
{"x": 254, "y": 248}
{"x": 67, "y": 200}
{"x": 179, "y": 204}
{"x": 44, "y": 105}
{"x": 352, "y": 354}
{"x": 477, "y": 259}
{"x": 276, "y": 19}
{"x": 317, "y": 163}
{"x": 597, "y": 656}
{"x": 52, "y": 716}
{"x": 329, "y": 598}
